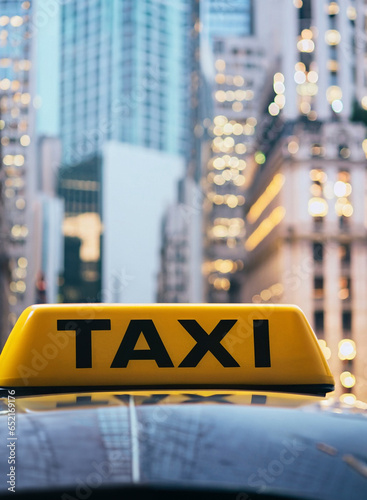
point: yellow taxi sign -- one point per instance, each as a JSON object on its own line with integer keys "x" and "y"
{"x": 164, "y": 345}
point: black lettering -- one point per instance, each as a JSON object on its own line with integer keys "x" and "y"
{"x": 83, "y": 337}
{"x": 214, "y": 398}
{"x": 208, "y": 342}
{"x": 127, "y": 351}
{"x": 261, "y": 343}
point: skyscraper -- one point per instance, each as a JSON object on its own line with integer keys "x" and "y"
{"x": 17, "y": 160}
{"x": 239, "y": 73}
{"x": 233, "y": 71}
{"x": 124, "y": 75}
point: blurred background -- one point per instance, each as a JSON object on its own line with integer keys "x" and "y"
{"x": 188, "y": 151}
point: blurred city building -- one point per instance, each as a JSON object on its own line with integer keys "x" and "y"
{"x": 233, "y": 71}
{"x": 17, "y": 169}
{"x": 80, "y": 188}
{"x": 48, "y": 218}
{"x": 125, "y": 77}
{"x": 305, "y": 210}
{"x": 238, "y": 79}
{"x": 179, "y": 277}
{"x": 198, "y": 208}
{"x": 131, "y": 213}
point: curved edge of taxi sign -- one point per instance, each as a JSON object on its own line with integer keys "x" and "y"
{"x": 105, "y": 346}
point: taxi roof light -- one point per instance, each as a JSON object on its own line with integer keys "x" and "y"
{"x": 164, "y": 346}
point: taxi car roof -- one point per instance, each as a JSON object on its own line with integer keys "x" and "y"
{"x": 249, "y": 443}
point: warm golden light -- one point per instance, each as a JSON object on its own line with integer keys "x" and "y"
{"x": 332, "y": 37}
{"x": 88, "y": 228}
{"x": 16, "y": 21}
{"x": 347, "y": 349}
{"x": 333, "y": 9}
{"x": 312, "y": 77}
{"x": 265, "y": 227}
{"x": 273, "y": 109}
{"x": 267, "y": 196}
{"x": 305, "y": 45}
{"x": 220, "y": 65}
{"x": 299, "y": 77}
{"x": 317, "y": 207}
{"x": 333, "y": 65}
{"x": 220, "y": 120}
{"x": 293, "y": 147}
{"x": 342, "y": 188}
{"x": 25, "y": 140}
{"x": 237, "y": 106}
{"x": 347, "y": 379}
{"x": 348, "y": 399}
{"x": 279, "y": 77}
{"x": 219, "y": 163}
{"x": 318, "y": 175}
{"x": 279, "y": 87}
{"x": 351, "y": 13}
{"x": 326, "y": 351}
{"x": 280, "y": 100}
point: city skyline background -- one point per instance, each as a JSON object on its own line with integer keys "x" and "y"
{"x": 183, "y": 151}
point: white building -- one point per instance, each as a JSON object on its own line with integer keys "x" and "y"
{"x": 138, "y": 184}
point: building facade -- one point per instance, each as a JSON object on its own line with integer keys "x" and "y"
{"x": 305, "y": 211}
{"x": 179, "y": 278}
{"x": 238, "y": 79}
{"x": 124, "y": 75}
{"x": 17, "y": 160}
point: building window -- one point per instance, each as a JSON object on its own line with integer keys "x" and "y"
{"x": 344, "y": 288}
{"x": 318, "y": 223}
{"x": 347, "y": 323}
{"x": 344, "y": 154}
{"x": 319, "y": 321}
{"x": 344, "y": 223}
{"x": 318, "y": 252}
{"x": 344, "y": 252}
{"x": 318, "y": 286}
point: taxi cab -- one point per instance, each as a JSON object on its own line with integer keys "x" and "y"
{"x": 174, "y": 401}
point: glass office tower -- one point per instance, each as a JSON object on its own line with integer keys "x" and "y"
{"x": 124, "y": 75}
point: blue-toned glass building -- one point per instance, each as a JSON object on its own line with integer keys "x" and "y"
{"x": 127, "y": 73}
{"x": 124, "y": 75}
{"x": 222, "y": 18}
